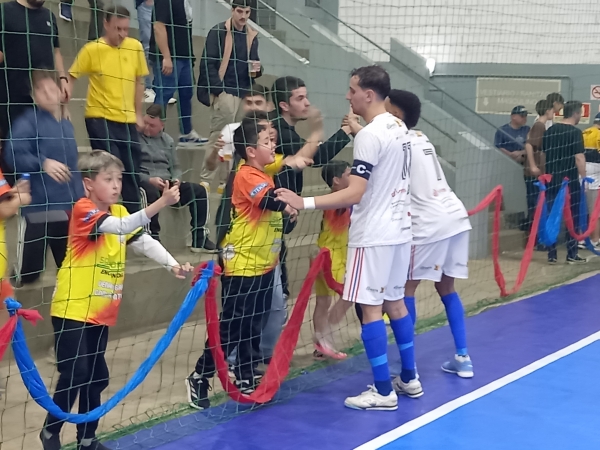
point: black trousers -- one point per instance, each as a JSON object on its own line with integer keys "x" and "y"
{"x": 121, "y": 140}
{"x": 80, "y": 349}
{"x": 246, "y": 300}
{"x": 38, "y": 237}
{"x": 195, "y": 197}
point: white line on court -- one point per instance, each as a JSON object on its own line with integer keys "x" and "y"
{"x": 447, "y": 408}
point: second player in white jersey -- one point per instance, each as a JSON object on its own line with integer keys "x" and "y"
{"x": 437, "y": 213}
{"x": 440, "y": 251}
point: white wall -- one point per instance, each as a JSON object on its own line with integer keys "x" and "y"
{"x": 474, "y": 31}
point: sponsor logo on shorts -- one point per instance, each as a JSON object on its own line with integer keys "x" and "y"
{"x": 461, "y": 265}
{"x": 425, "y": 267}
{"x": 378, "y": 290}
{"x": 436, "y": 267}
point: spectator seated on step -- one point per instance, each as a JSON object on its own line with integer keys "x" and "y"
{"x": 160, "y": 168}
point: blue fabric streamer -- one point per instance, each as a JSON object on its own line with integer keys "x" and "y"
{"x": 583, "y": 216}
{"x": 550, "y": 223}
{"x": 37, "y": 389}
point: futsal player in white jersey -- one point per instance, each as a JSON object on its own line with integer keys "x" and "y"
{"x": 380, "y": 235}
{"x": 440, "y": 227}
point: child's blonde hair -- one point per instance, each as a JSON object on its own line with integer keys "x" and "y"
{"x": 91, "y": 164}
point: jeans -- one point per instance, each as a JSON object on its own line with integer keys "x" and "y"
{"x": 80, "y": 349}
{"x": 272, "y": 323}
{"x": 145, "y": 23}
{"x": 245, "y": 301}
{"x": 180, "y": 80}
{"x": 121, "y": 140}
{"x": 575, "y": 191}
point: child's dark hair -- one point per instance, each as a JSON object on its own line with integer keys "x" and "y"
{"x": 333, "y": 169}
{"x": 543, "y": 106}
{"x": 247, "y": 133}
{"x": 555, "y": 97}
{"x": 410, "y": 105}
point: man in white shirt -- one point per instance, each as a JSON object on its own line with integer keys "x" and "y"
{"x": 380, "y": 236}
{"x": 440, "y": 227}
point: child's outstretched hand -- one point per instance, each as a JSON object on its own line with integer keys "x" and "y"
{"x": 171, "y": 195}
{"x": 182, "y": 271}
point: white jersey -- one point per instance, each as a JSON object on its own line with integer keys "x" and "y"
{"x": 436, "y": 211}
{"x": 382, "y": 154}
{"x": 228, "y": 150}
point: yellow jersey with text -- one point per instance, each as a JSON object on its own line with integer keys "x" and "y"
{"x": 591, "y": 138}
{"x": 113, "y": 78}
{"x": 89, "y": 284}
{"x": 252, "y": 245}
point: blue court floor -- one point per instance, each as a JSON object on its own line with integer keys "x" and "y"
{"x": 535, "y": 387}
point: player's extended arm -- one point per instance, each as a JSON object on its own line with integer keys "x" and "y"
{"x": 152, "y": 249}
{"x": 336, "y": 200}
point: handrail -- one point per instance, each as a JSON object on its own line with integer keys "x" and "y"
{"x": 413, "y": 72}
{"x": 285, "y": 19}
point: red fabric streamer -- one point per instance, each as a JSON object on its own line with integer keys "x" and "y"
{"x": 7, "y": 331}
{"x": 496, "y": 196}
{"x": 569, "y": 218}
{"x": 284, "y": 350}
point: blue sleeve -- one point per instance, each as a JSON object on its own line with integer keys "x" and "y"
{"x": 21, "y": 151}
{"x": 498, "y": 138}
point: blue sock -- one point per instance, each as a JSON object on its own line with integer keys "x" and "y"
{"x": 404, "y": 333}
{"x": 456, "y": 319}
{"x": 374, "y": 336}
{"x": 412, "y": 308}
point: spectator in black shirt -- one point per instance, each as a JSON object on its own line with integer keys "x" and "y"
{"x": 28, "y": 41}
{"x": 563, "y": 146}
{"x": 292, "y": 106}
{"x": 228, "y": 66}
{"x": 172, "y": 61}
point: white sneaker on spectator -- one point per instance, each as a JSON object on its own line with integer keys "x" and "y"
{"x": 192, "y": 139}
{"x": 149, "y": 96}
{"x": 172, "y": 101}
{"x": 581, "y": 245}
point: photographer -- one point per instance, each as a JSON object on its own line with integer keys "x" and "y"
{"x": 160, "y": 168}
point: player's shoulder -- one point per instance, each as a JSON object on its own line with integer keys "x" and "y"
{"x": 418, "y": 137}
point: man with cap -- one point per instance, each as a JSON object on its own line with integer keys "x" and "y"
{"x": 591, "y": 142}
{"x": 510, "y": 138}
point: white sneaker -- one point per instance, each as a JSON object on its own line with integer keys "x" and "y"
{"x": 149, "y": 96}
{"x": 412, "y": 389}
{"x": 192, "y": 139}
{"x": 172, "y": 101}
{"x": 372, "y": 400}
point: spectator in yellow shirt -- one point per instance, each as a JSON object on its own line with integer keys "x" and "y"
{"x": 116, "y": 67}
{"x": 591, "y": 142}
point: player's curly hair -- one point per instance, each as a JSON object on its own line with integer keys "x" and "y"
{"x": 410, "y": 105}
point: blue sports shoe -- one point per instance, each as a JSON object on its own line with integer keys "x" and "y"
{"x": 460, "y": 365}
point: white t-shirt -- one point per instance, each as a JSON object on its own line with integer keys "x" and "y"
{"x": 436, "y": 211}
{"x": 382, "y": 153}
{"x": 228, "y": 150}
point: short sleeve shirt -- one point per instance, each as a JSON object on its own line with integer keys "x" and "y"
{"x": 173, "y": 14}
{"x": 561, "y": 143}
{"x": 113, "y": 74}
{"x": 28, "y": 38}
{"x": 252, "y": 245}
{"x": 89, "y": 284}
{"x": 382, "y": 155}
